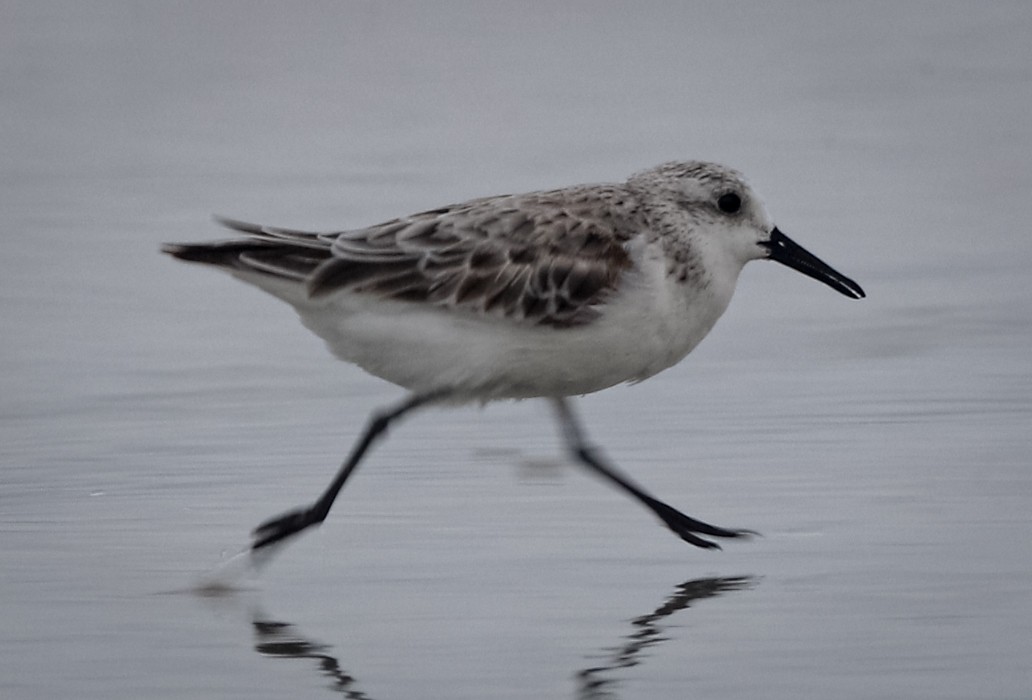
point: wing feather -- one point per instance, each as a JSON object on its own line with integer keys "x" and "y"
{"x": 547, "y": 258}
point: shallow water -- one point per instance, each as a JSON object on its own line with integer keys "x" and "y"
{"x": 153, "y": 412}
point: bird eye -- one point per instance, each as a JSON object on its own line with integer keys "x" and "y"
{"x": 729, "y": 203}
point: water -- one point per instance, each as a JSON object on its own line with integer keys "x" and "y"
{"x": 153, "y": 412}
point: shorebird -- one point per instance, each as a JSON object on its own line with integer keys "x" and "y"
{"x": 550, "y": 294}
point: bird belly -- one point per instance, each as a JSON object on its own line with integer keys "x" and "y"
{"x": 647, "y": 326}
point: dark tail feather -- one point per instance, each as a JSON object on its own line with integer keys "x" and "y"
{"x": 220, "y": 253}
{"x": 267, "y": 250}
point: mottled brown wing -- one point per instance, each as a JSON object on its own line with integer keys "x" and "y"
{"x": 548, "y": 258}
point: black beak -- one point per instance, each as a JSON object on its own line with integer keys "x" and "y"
{"x": 787, "y": 252}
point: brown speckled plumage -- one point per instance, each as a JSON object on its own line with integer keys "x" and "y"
{"x": 546, "y": 258}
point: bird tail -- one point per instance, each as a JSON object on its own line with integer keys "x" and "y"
{"x": 265, "y": 251}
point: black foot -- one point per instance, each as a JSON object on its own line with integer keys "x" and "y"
{"x": 685, "y": 527}
{"x": 284, "y": 526}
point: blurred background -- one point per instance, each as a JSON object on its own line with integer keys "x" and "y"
{"x": 151, "y": 413}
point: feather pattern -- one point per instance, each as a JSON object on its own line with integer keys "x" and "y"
{"x": 543, "y": 258}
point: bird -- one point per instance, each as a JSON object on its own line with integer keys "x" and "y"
{"x": 550, "y": 294}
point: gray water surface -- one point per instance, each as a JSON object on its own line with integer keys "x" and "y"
{"x": 151, "y": 413}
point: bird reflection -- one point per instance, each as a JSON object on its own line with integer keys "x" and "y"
{"x": 593, "y": 683}
{"x": 281, "y": 640}
{"x": 278, "y": 639}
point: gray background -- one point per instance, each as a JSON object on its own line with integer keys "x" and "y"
{"x": 152, "y": 412}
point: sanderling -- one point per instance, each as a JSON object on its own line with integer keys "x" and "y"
{"x": 548, "y": 295}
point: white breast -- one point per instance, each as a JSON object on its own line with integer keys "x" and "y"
{"x": 649, "y": 324}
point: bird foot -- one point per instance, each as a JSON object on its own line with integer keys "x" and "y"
{"x": 689, "y": 529}
{"x": 286, "y": 525}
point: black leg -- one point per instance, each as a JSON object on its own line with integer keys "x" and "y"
{"x": 293, "y": 522}
{"x": 681, "y": 524}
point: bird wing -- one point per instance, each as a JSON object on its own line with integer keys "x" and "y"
{"x": 547, "y": 258}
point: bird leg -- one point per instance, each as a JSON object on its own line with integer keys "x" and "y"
{"x": 294, "y": 521}
{"x": 682, "y": 525}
